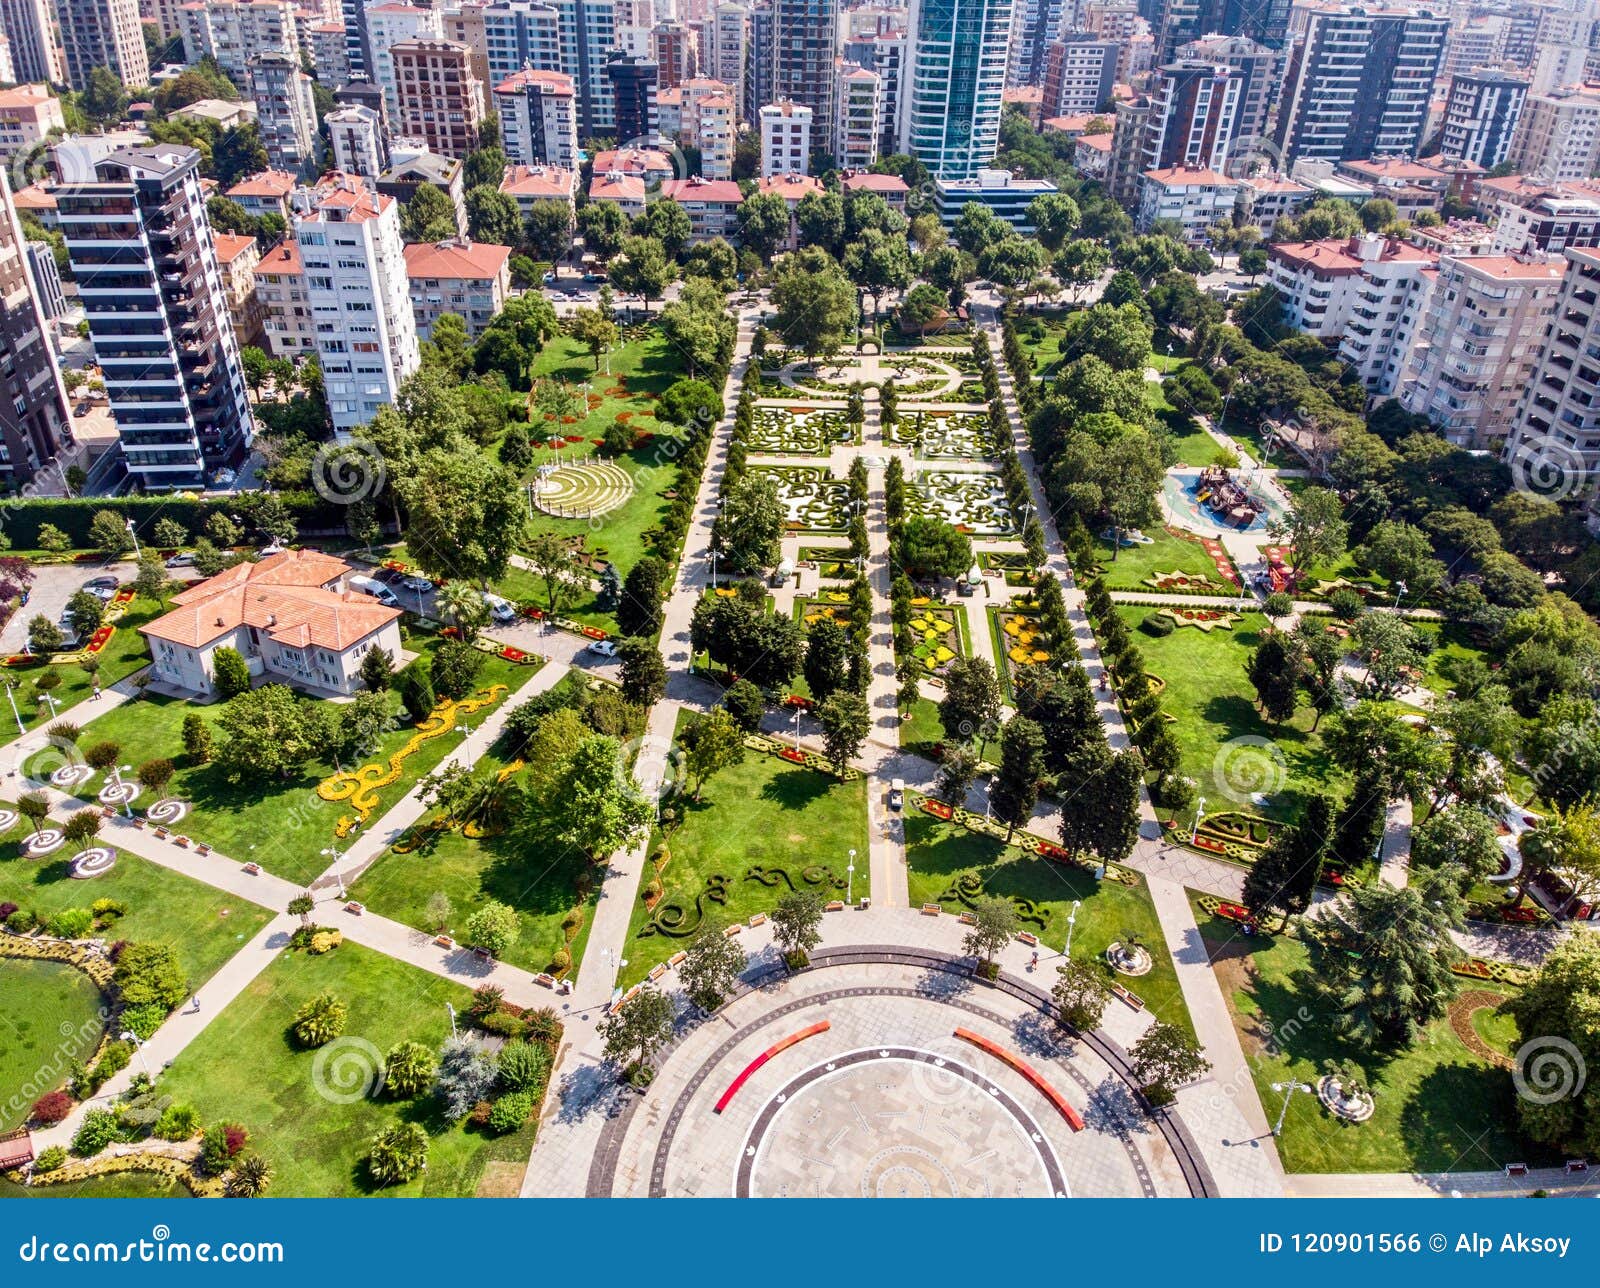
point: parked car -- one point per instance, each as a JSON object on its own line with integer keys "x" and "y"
{"x": 101, "y": 587}
{"x": 502, "y": 610}
{"x": 897, "y": 793}
{"x": 380, "y": 592}
{"x": 412, "y": 582}
{"x": 605, "y": 648}
{"x": 183, "y": 559}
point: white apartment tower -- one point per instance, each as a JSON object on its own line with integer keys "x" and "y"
{"x": 102, "y": 33}
{"x": 1557, "y": 136}
{"x": 30, "y": 25}
{"x": 955, "y": 84}
{"x": 389, "y": 25}
{"x": 785, "y": 139}
{"x": 355, "y": 274}
{"x": 287, "y": 113}
{"x": 859, "y": 122}
{"x": 538, "y": 119}
{"x": 355, "y": 135}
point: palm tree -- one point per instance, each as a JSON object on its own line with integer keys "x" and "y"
{"x": 301, "y": 906}
{"x": 249, "y": 1178}
{"x": 464, "y": 606}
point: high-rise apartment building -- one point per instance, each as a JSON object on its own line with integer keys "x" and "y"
{"x": 30, "y": 25}
{"x": 1476, "y": 343}
{"x": 1359, "y": 84}
{"x": 1194, "y": 112}
{"x": 804, "y": 36}
{"x": 1080, "y": 71}
{"x": 633, "y": 99}
{"x": 675, "y": 47}
{"x": 324, "y": 44}
{"x": 146, "y": 267}
{"x": 757, "y": 89}
{"x": 102, "y": 33}
{"x": 538, "y": 119}
{"x": 785, "y": 139}
{"x": 730, "y": 46}
{"x": 859, "y": 123}
{"x": 575, "y": 37}
{"x": 1262, "y": 68}
{"x": 884, "y": 53}
{"x": 955, "y": 84}
{"x": 440, "y": 100}
{"x": 1557, "y": 136}
{"x": 1035, "y": 24}
{"x": 356, "y": 139}
{"x": 355, "y": 283}
{"x": 34, "y": 421}
{"x": 286, "y": 111}
{"x": 389, "y": 25}
{"x": 1177, "y": 22}
{"x": 1480, "y": 116}
{"x": 232, "y": 31}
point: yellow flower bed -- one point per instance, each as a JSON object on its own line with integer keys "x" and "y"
{"x": 361, "y": 787}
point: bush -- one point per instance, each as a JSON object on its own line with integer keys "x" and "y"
{"x": 143, "y": 1020}
{"x": 324, "y": 941}
{"x": 416, "y": 691}
{"x": 544, "y": 1025}
{"x": 408, "y": 1070}
{"x": 98, "y": 1129}
{"x": 397, "y": 1154}
{"x": 1177, "y": 793}
{"x": 197, "y": 741}
{"x": 486, "y": 998}
{"x": 505, "y": 1023}
{"x": 21, "y": 921}
{"x": 103, "y": 908}
{"x": 220, "y": 1144}
{"x": 510, "y": 1112}
{"x": 320, "y": 1019}
{"x": 52, "y": 1157}
{"x": 150, "y": 973}
{"x": 525, "y": 1066}
{"x": 177, "y": 1122}
{"x": 1158, "y": 624}
{"x": 51, "y": 1108}
{"x": 230, "y": 673}
{"x": 72, "y": 923}
{"x": 454, "y": 669}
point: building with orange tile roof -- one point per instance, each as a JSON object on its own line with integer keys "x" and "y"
{"x": 460, "y": 276}
{"x": 237, "y": 258}
{"x": 624, "y": 190}
{"x": 526, "y": 184}
{"x": 711, "y": 204}
{"x": 1192, "y": 197}
{"x": 286, "y": 307}
{"x": 291, "y": 616}
{"x": 266, "y": 193}
{"x": 1321, "y": 282}
{"x": 27, "y": 115}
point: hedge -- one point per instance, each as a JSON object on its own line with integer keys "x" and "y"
{"x": 22, "y": 519}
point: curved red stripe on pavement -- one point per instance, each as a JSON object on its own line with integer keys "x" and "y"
{"x": 1050, "y": 1093}
{"x": 733, "y": 1087}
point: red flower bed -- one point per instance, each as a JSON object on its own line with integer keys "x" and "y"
{"x": 124, "y": 596}
{"x": 450, "y": 633}
{"x": 938, "y": 809}
{"x": 528, "y": 610}
{"x": 572, "y": 438}
{"x": 790, "y": 754}
{"x": 1233, "y": 912}
{"x": 1206, "y": 843}
{"x": 24, "y": 659}
{"x": 513, "y": 654}
{"x": 594, "y": 632}
{"x": 1048, "y": 851}
{"x": 569, "y": 420}
{"x": 97, "y": 641}
{"x": 1519, "y": 915}
{"x": 795, "y": 700}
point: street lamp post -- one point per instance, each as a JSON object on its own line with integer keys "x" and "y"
{"x": 1072, "y": 920}
{"x": 54, "y": 710}
{"x": 11, "y": 698}
{"x": 797, "y": 728}
{"x": 452, "y": 1010}
{"x": 128, "y": 1035}
{"x": 850, "y": 879}
{"x": 332, "y": 852}
{"x": 1288, "y": 1089}
{"x": 1199, "y": 813}
{"x": 132, "y": 532}
{"x": 117, "y": 771}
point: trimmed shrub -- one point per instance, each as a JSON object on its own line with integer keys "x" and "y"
{"x": 510, "y": 1112}
{"x": 98, "y": 1129}
{"x": 177, "y": 1122}
{"x": 51, "y": 1108}
{"x": 52, "y": 1157}
{"x": 1157, "y": 624}
{"x": 525, "y": 1066}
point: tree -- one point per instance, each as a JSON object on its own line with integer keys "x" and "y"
{"x": 454, "y": 668}
{"x": 35, "y": 807}
{"x": 1079, "y": 264}
{"x": 494, "y": 928}
{"x": 551, "y": 559}
{"x": 1012, "y": 262}
{"x": 1399, "y": 552}
{"x": 1559, "y": 1006}
{"x": 1109, "y": 827}
{"x": 1054, "y": 217}
{"x": 877, "y": 262}
{"x": 320, "y": 1019}
{"x": 633, "y": 1032}
{"x": 923, "y": 305}
{"x": 846, "y": 722}
{"x": 302, "y": 906}
{"x": 430, "y": 216}
{"x": 994, "y": 925}
{"x": 377, "y": 669}
{"x": 1165, "y": 1058}
{"x": 744, "y": 703}
{"x": 598, "y": 808}
{"x": 690, "y": 403}
{"x": 44, "y": 636}
{"x": 1284, "y": 877}
{"x": 1316, "y": 528}
{"x": 827, "y": 657}
{"x": 104, "y": 100}
{"x": 642, "y": 268}
{"x": 796, "y": 925}
{"x": 957, "y": 771}
{"x": 764, "y": 223}
{"x": 88, "y": 611}
{"x": 666, "y": 222}
{"x": 1384, "y": 955}
{"x": 1016, "y": 787}
{"x": 151, "y": 581}
{"x": 266, "y": 731}
{"x": 820, "y": 218}
{"x": 604, "y": 226}
{"x": 547, "y": 229}
{"x": 814, "y": 301}
{"x": 82, "y": 827}
{"x": 977, "y": 227}
{"x": 398, "y": 1153}
{"x": 1392, "y": 651}
{"x": 230, "y": 673}
{"x": 466, "y": 1076}
{"x": 589, "y": 327}
{"x": 1463, "y": 841}
{"x": 156, "y": 774}
{"x": 712, "y": 743}
{"x": 929, "y": 545}
{"x": 712, "y": 966}
{"x": 971, "y": 704}
{"x": 644, "y": 673}
{"x": 751, "y": 522}
{"x": 493, "y": 216}
{"x": 466, "y": 514}
{"x": 1080, "y": 995}
{"x": 51, "y": 538}
{"x": 1567, "y": 846}
{"x": 639, "y": 606}
{"x": 451, "y": 347}
{"x": 1274, "y": 670}
{"x": 109, "y": 533}
{"x": 197, "y": 741}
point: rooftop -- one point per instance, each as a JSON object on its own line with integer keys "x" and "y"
{"x": 722, "y": 191}
{"x": 269, "y": 183}
{"x": 537, "y": 181}
{"x": 231, "y": 245}
{"x": 459, "y": 258}
{"x": 283, "y": 258}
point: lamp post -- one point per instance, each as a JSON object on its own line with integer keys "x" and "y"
{"x": 1072, "y": 920}
{"x": 452, "y": 1010}
{"x": 1288, "y": 1089}
{"x": 850, "y": 879}
{"x": 1199, "y": 813}
{"x": 128, "y": 1035}
{"x": 132, "y": 532}
{"x": 117, "y": 771}
{"x": 332, "y": 852}
{"x": 54, "y": 710}
{"x": 11, "y": 698}
{"x": 797, "y": 728}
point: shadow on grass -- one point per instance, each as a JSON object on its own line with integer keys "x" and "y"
{"x": 1432, "y": 1121}
{"x": 796, "y": 788}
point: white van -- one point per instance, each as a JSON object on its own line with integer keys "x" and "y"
{"x": 897, "y": 793}
{"x": 502, "y": 610}
{"x": 380, "y": 592}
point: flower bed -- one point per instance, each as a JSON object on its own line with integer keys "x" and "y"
{"x": 1499, "y": 972}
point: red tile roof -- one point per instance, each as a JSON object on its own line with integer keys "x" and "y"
{"x": 537, "y": 181}
{"x": 231, "y": 245}
{"x": 269, "y": 183}
{"x": 456, "y": 259}
{"x": 720, "y": 191}
{"x": 283, "y": 595}
{"x": 284, "y": 258}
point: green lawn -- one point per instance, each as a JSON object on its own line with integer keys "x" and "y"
{"x": 47, "y": 1019}
{"x": 1214, "y": 702}
{"x": 204, "y": 925}
{"x": 765, "y": 813}
{"x": 1165, "y": 553}
{"x": 645, "y": 367}
{"x": 124, "y": 653}
{"x": 1439, "y": 1108}
{"x": 519, "y": 867}
{"x": 282, "y": 824}
{"x": 245, "y": 1068}
{"x": 939, "y": 854}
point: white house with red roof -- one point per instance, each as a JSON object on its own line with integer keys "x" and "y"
{"x": 290, "y": 616}
{"x": 891, "y": 187}
{"x": 526, "y": 184}
{"x": 1192, "y": 197}
{"x": 711, "y": 204}
{"x": 266, "y": 193}
{"x": 460, "y": 276}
